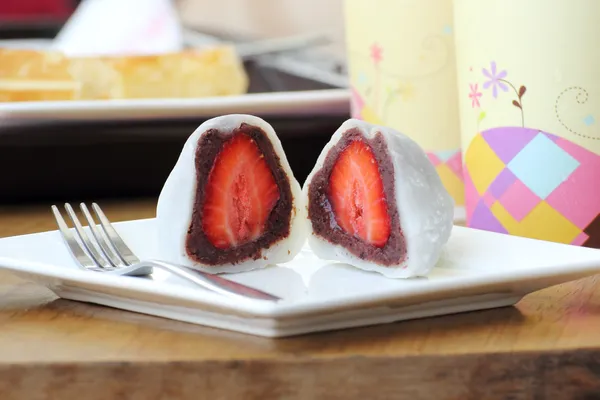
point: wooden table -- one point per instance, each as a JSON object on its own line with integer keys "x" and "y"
{"x": 547, "y": 347}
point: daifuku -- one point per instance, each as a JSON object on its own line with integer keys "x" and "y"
{"x": 231, "y": 202}
{"x": 376, "y": 202}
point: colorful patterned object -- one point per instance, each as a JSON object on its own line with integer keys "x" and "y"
{"x": 529, "y": 183}
{"x": 363, "y": 111}
{"x": 448, "y": 163}
{"x": 449, "y": 167}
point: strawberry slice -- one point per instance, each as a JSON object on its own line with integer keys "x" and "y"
{"x": 357, "y": 196}
{"x": 240, "y": 194}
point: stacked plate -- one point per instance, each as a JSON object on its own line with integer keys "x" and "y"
{"x": 478, "y": 270}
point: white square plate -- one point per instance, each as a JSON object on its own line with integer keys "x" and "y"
{"x": 308, "y": 103}
{"x": 478, "y": 270}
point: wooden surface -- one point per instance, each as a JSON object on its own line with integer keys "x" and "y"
{"x": 548, "y": 346}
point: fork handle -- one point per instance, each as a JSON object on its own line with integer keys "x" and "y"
{"x": 212, "y": 282}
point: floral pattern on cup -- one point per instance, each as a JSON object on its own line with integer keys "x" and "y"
{"x": 379, "y": 87}
{"x": 523, "y": 181}
{"x": 496, "y": 81}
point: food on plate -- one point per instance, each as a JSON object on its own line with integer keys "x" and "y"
{"x": 29, "y": 75}
{"x": 32, "y": 75}
{"x": 375, "y": 201}
{"x": 231, "y": 202}
{"x": 216, "y": 71}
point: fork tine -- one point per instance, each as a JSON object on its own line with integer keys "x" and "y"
{"x": 103, "y": 244}
{"x": 115, "y": 240}
{"x": 76, "y": 250}
{"x": 85, "y": 240}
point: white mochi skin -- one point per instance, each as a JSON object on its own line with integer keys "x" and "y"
{"x": 176, "y": 202}
{"x": 426, "y": 209}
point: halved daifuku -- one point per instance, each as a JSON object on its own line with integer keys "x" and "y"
{"x": 231, "y": 203}
{"x": 375, "y": 201}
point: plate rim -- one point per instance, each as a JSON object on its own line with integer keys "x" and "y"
{"x": 302, "y": 102}
{"x": 294, "y": 309}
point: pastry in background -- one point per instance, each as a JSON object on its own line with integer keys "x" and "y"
{"x": 215, "y": 71}
{"x": 33, "y": 75}
{"x": 30, "y": 75}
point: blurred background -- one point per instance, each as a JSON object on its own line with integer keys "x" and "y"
{"x": 61, "y": 159}
{"x": 111, "y": 90}
{"x": 255, "y": 19}
{"x": 44, "y": 18}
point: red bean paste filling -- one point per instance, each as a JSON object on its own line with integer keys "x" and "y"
{"x": 277, "y": 226}
{"x": 320, "y": 211}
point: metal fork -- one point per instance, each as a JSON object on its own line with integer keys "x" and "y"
{"x": 108, "y": 253}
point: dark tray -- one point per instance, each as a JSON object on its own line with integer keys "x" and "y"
{"x": 58, "y": 161}
{"x": 76, "y": 160}
{"x": 91, "y": 161}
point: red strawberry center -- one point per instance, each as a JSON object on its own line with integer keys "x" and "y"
{"x": 357, "y": 195}
{"x": 240, "y": 194}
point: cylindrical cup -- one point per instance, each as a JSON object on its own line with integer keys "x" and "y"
{"x": 529, "y": 95}
{"x": 402, "y": 73}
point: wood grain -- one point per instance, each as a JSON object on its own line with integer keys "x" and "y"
{"x": 554, "y": 375}
{"x": 52, "y": 348}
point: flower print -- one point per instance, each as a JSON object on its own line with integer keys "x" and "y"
{"x": 496, "y": 79}
{"x": 376, "y": 53}
{"x": 474, "y": 95}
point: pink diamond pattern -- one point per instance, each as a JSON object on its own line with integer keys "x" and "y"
{"x": 455, "y": 164}
{"x": 471, "y": 195}
{"x": 582, "y": 155}
{"x": 577, "y": 197}
{"x": 502, "y": 182}
{"x": 488, "y": 199}
{"x": 554, "y": 138}
{"x": 580, "y": 239}
{"x": 434, "y": 159}
{"x": 519, "y": 200}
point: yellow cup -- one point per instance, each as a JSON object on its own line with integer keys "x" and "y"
{"x": 529, "y": 96}
{"x": 403, "y": 75}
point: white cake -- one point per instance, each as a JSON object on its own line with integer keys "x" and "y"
{"x": 192, "y": 201}
{"x": 347, "y": 206}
